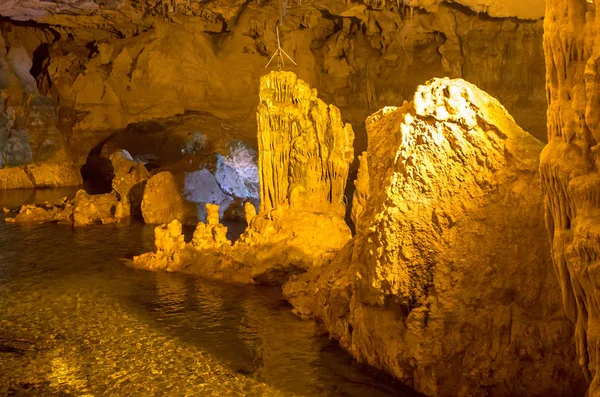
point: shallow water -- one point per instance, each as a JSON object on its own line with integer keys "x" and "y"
{"x": 75, "y": 321}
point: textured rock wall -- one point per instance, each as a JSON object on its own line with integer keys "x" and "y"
{"x": 33, "y": 152}
{"x": 448, "y": 283}
{"x": 569, "y": 168}
{"x": 36, "y": 9}
{"x": 305, "y": 150}
{"x": 132, "y": 63}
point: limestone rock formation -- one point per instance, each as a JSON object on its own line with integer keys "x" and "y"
{"x": 569, "y": 168}
{"x": 163, "y": 201}
{"x": 448, "y": 284}
{"x": 533, "y": 9}
{"x": 91, "y": 209}
{"x": 303, "y": 159}
{"x": 132, "y": 61}
{"x": 84, "y": 209}
{"x": 305, "y": 149}
{"x": 170, "y": 245}
{"x": 14, "y": 178}
{"x": 128, "y": 183}
{"x": 33, "y": 153}
{"x": 40, "y": 175}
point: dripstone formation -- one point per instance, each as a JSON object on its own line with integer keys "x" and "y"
{"x": 305, "y": 149}
{"x": 304, "y": 155}
{"x": 569, "y": 168}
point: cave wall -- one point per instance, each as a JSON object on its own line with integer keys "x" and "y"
{"x": 569, "y": 168}
{"x": 122, "y": 62}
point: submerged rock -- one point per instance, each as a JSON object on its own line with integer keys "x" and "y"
{"x": 448, "y": 284}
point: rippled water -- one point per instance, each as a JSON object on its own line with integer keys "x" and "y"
{"x": 75, "y": 321}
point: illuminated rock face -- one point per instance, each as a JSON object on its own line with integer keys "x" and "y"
{"x": 303, "y": 159}
{"x": 448, "y": 284}
{"x": 114, "y": 63}
{"x": 569, "y": 168}
{"x": 305, "y": 149}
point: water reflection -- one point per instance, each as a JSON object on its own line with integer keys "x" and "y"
{"x": 75, "y": 321}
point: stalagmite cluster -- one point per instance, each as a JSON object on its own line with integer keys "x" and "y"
{"x": 448, "y": 283}
{"x": 305, "y": 149}
{"x": 569, "y": 168}
{"x": 304, "y": 155}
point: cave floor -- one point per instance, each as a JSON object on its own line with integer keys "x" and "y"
{"x": 75, "y": 321}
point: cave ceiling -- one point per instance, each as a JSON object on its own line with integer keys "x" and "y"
{"x": 120, "y": 10}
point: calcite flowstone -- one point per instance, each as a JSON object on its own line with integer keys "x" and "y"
{"x": 569, "y": 167}
{"x": 305, "y": 149}
{"x": 448, "y": 283}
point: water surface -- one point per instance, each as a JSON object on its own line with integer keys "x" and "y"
{"x": 75, "y": 321}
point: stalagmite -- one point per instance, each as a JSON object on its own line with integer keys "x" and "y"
{"x": 304, "y": 154}
{"x": 448, "y": 283}
{"x": 569, "y": 168}
{"x": 303, "y": 146}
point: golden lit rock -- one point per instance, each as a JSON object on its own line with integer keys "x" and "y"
{"x": 170, "y": 245}
{"x": 14, "y": 178}
{"x": 97, "y": 208}
{"x": 162, "y": 201}
{"x": 569, "y": 169}
{"x": 304, "y": 155}
{"x": 448, "y": 284}
{"x": 249, "y": 212}
{"x": 128, "y": 183}
{"x": 305, "y": 149}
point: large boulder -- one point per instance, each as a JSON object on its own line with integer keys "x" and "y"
{"x": 448, "y": 283}
{"x": 163, "y": 201}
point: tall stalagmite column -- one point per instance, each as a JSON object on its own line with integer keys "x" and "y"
{"x": 305, "y": 149}
{"x": 569, "y": 168}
